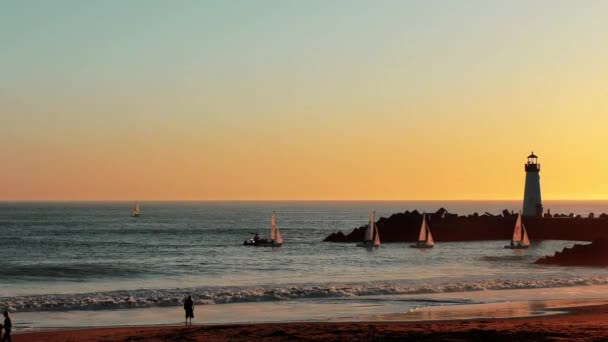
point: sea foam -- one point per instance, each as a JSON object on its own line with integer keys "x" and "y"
{"x": 146, "y": 298}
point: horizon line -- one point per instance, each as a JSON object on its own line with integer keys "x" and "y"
{"x": 288, "y": 200}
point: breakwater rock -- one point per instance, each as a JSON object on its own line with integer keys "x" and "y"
{"x": 404, "y": 227}
{"x": 594, "y": 254}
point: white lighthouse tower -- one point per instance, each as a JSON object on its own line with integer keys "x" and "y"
{"x": 533, "y": 204}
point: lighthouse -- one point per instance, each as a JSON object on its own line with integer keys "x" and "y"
{"x": 533, "y": 204}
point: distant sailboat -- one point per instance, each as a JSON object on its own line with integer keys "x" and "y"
{"x": 275, "y": 238}
{"x": 520, "y": 238}
{"x": 371, "y": 238}
{"x": 135, "y": 212}
{"x": 425, "y": 238}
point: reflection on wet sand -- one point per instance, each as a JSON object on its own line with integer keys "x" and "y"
{"x": 485, "y": 311}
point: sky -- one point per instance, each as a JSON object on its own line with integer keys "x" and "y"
{"x": 302, "y": 100}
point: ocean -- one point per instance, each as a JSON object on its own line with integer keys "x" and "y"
{"x": 91, "y": 259}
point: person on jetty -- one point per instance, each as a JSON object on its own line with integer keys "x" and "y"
{"x": 189, "y": 308}
{"x": 8, "y": 325}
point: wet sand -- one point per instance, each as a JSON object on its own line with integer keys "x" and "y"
{"x": 586, "y": 323}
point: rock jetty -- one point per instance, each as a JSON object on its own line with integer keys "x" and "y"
{"x": 404, "y": 227}
{"x": 594, "y": 254}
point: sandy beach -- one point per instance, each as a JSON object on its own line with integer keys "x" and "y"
{"x": 581, "y": 323}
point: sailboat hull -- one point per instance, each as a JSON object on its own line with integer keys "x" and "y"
{"x": 517, "y": 247}
{"x": 134, "y": 215}
{"x": 261, "y": 243}
{"x": 366, "y": 244}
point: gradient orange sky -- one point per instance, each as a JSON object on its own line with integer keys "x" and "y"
{"x": 302, "y": 100}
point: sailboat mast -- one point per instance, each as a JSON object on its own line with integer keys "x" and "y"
{"x": 373, "y": 221}
{"x": 376, "y": 235}
{"x": 369, "y": 231}
{"x": 272, "y": 227}
{"x": 278, "y": 239}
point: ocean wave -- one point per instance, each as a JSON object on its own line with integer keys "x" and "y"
{"x": 146, "y": 298}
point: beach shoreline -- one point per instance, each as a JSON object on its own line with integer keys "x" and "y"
{"x": 581, "y": 323}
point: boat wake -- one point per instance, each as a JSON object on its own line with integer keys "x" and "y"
{"x": 146, "y": 298}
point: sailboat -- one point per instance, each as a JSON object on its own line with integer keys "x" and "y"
{"x": 425, "y": 238}
{"x": 520, "y": 238}
{"x": 275, "y": 238}
{"x": 135, "y": 212}
{"x": 371, "y": 238}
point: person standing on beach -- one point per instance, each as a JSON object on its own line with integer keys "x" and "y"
{"x": 189, "y": 308}
{"x": 7, "y": 328}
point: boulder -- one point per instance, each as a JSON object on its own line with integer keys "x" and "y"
{"x": 594, "y": 254}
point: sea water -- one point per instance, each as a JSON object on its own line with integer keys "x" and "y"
{"x": 93, "y": 258}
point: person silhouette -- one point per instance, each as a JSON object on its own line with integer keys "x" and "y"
{"x": 8, "y": 325}
{"x": 189, "y": 308}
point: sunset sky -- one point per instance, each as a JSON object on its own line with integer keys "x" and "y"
{"x": 354, "y": 100}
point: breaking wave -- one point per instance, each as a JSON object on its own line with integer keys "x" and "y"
{"x": 145, "y": 298}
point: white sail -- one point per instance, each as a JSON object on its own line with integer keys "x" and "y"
{"x": 423, "y": 229}
{"x": 525, "y": 241}
{"x": 517, "y": 230}
{"x": 278, "y": 238}
{"x": 273, "y": 227}
{"x": 369, "y": 231}
{"x": 376, "y": 241}
{"x": 275, "y": 234}
{"x": 429, "y": 240}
